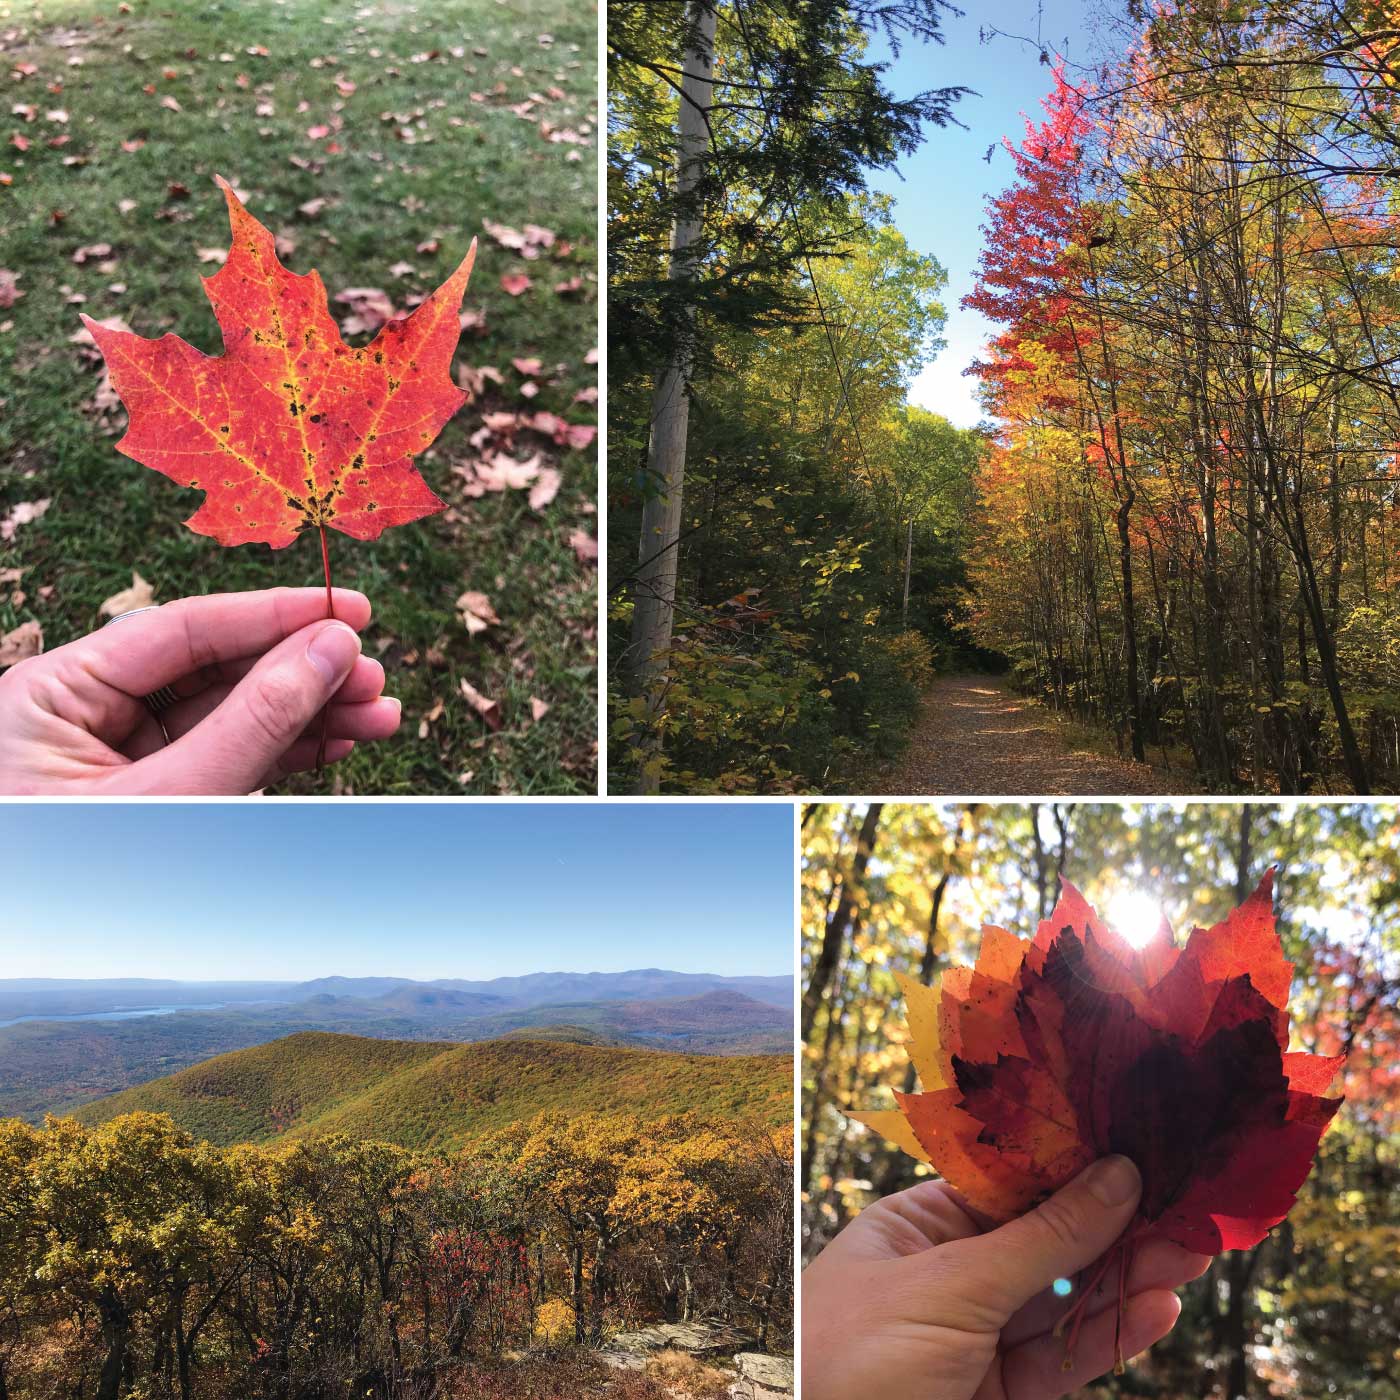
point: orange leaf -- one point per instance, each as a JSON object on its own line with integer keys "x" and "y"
{"x": 289, "y": 427}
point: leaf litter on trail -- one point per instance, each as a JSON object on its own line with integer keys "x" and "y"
{"x": 1052, "y": 1052}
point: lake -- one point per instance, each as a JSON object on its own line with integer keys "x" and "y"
{"x": 124, "y": 1015}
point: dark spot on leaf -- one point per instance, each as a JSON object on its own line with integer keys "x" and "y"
{"x": 379, "y": 357}
{"x": 315, "y": 417}
{"x": 223, "y": 427}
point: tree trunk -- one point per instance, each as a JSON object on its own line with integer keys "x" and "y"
{"x": 1130, "y": 660}
{"x": 654, "y": 592}
{"x": 579, "y": 1317}
{"x": 908, "y": 561}
{"x": 115, "y": 1331}
{"x": 836, "y": 924}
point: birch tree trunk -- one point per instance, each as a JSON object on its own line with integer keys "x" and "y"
{"x": 654, "y": 593}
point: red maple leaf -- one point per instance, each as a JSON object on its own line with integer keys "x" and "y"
{"x": 1051, "y": 1053}
{"x": 290, "y": 426}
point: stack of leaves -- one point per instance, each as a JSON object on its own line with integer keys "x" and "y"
{"x": 1049, "y": 1054}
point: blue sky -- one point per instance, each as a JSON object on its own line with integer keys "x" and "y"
{"x": 290, "y": 891}
{"x": 939, "y": 200}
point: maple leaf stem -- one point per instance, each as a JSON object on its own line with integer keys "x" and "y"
{"x": 1073, "y": 1318}
{"x": 1125, "y": 1249}
{"x": 330, "y": 612}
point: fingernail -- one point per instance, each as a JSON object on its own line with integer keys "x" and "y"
{"x": 332, "y": 651}
{"x": 1114, "y": 1181}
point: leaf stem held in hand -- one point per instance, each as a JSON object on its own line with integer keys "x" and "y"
{"x": 1073, "y": 1319}
{"x": 330, "y": 613}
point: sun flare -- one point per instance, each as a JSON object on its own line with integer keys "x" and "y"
{"x": 1136, "y": 915}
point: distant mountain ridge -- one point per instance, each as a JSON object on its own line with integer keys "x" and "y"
{"x": 434, "y": 1095}
{"x": 46, "y": 996}
{"x": 86, "y": 1052}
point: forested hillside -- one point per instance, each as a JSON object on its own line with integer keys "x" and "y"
{"x": 427, "y": 1095}
{"x": 136, "y": 1261}
{"x": 54, "y": 1066}
{"x": 1315, "y": 1309}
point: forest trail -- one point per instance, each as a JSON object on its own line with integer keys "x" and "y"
{"x": 974, "y": 736}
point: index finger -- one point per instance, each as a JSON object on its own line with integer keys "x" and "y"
{"x": 141, "y": 655}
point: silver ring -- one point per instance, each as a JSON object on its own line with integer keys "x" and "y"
{"x": 121, "y": 617}
{"x": 159, "y": 700}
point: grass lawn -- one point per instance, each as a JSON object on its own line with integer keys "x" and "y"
{"x": 414, "y": 123}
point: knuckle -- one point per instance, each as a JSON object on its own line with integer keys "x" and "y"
{"x": 1060, "y": 1222}
{"x": 198, "y": 643}
{"x": 274, "y": 705}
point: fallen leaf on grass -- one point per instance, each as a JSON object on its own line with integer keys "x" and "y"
{"x": 529, "y": 368}
{"x": 477, "y": 613}
{"x": 19, "y": 645}
{"x": 472, "y": 380}
{"x": 546, "y": 487}
{"x": 584, "y": 546}
{"x": 312, "y": 208}
{"x": 370, "y": 308}
{"x": 430, "y": 718}
{"x": 500, "y": 473}
{"x": 489, "y": 710}
{"x": 23, "y": 513}
{"x": 92, "y": 250}
{"x": 516, "y": 284}
{"x": 9, "y": 293}
{"x": 139, "y": 595}
{"x": 170, "y": 104}
{"x": 105, "y": 404}
{"x": 529, "y": 242}
{"x": 538, "y": 709}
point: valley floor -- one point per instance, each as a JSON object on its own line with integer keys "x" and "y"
{"x": 974, "y": 735}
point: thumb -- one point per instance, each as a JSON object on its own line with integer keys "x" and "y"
{"x": 1077, "y": 1225}
{"x": 232, "y": 749}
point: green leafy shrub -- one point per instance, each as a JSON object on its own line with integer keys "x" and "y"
{"x": 913, "y": 654}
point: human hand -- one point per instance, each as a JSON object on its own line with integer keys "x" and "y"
{"x": 251, "y": 673}
{"x": 912, "y": 1301}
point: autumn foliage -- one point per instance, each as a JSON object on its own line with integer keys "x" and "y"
{"x": 290, "y": 426}
{"x": 136, "y": 1260}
